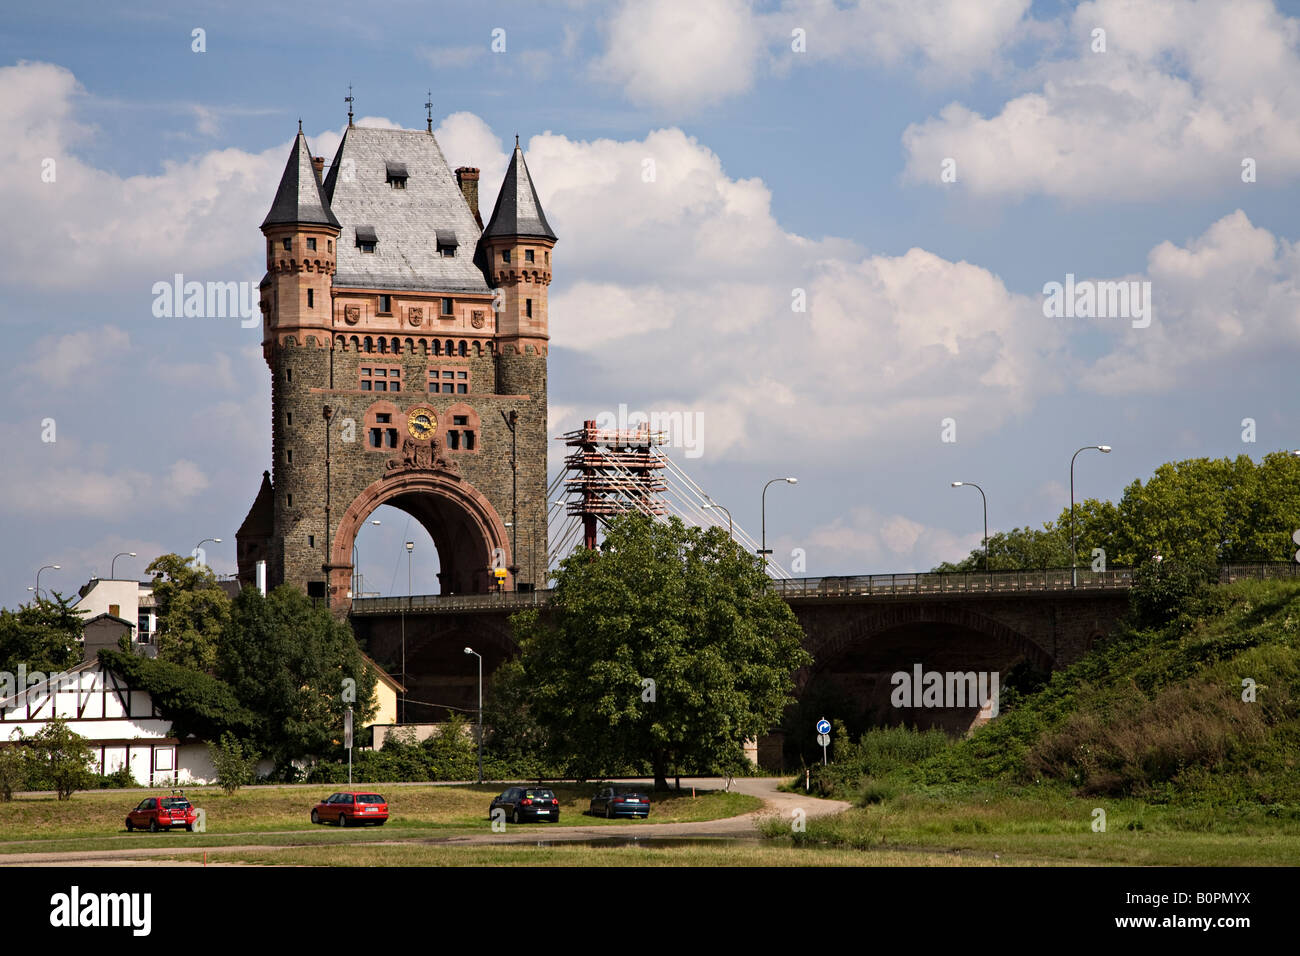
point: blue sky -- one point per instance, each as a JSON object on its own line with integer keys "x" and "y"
{"x": 776, "y": 170}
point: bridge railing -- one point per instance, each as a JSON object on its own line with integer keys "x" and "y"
{"x": 507, "y": 600}
{"x": 862, "y": 585}
{"x": 974, "y": 582}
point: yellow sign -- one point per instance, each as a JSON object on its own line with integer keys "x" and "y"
{"x": 500, "y": 573}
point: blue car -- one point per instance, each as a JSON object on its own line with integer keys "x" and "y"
{"x": 620, "y": 802}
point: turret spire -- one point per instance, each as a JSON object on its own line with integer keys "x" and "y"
{"x": 518, "y": 211}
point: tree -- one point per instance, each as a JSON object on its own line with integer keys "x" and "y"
{"x": 193, "y": 612}
{"x": 235, "y": 763}
{"x": 287, "y": 659}
{"x": 13, "y": 770}
{"x": 61, "y": 758}
{"x": 196, "y": 703}
{"x": 41, "y": 635}
{"x": 666, "y": 645}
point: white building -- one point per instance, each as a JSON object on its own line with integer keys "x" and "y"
{"x": 132, "y": 601}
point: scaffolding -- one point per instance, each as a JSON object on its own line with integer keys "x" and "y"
{"x": 612, "y": 471}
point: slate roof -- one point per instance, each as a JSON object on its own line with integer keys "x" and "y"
{"x": 406, "y": 221}
{"x": 299, "y": 198}
{"x": 518, "y": 211}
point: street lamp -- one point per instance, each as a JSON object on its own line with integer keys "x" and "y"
{"x": 710, "y": 504}
{"x": 470, "y": 650}
{"x": 198, "y": 547}
{"x": 1074, "y": 558}
{"x": 112, "y": 572}
{"x": 410, "y": 546}
{"x": 959, "y": 484}
{"x": 38, "y": 576}
{"x": 763, "y": 551}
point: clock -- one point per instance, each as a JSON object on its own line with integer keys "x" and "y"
{"x": 421, "y": 422}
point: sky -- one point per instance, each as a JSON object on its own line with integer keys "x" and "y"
{"x": 825, "y": 232}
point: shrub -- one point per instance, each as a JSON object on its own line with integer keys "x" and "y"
{"x": 235, "y": 763}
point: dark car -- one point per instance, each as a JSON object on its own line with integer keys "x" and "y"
{"x": 349, "y": 808}
{"x": 526, "y": 803}
{"x": 620, "y": 802}
{"x": 163, "y": 813}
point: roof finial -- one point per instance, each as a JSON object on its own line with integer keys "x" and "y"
{"x": 516, "y": 140}
{"x": 348, "y": 99}
{"x": 299, "y": 124}
{"x": 428, "y": 107}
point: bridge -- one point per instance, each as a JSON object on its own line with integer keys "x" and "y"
{"x": 859, "y": 629}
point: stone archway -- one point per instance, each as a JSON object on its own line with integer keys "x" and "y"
{"x": 467, "y": 531}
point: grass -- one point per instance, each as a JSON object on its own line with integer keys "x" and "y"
{"x": 280, "y": 815}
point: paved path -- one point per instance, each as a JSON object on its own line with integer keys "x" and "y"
{"x": 745, "y": 826}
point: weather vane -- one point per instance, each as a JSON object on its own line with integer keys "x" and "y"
{"x": 349, "y": 99}
{"x": 428, "y": 107}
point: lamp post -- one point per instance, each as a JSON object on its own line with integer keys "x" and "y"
{"x": 959, "y": 484}
{"x": 711, "y": 504}
{"x": 112, "y": 567}
{"x": 410, "y": 546}
{"x": 198, "y": 548}
{"x": 1074, "y": 571}
{"x": 763, "y": 551}
{"x": 470, "y": 650}
{"x": 38, "y": 576}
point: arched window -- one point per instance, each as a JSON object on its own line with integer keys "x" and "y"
{"x": 410, "y": 346}
{"x": 437, "y": 346}
{"x": 340, "y": 342}
{"x": 368, "y": 344}
{"x": 451, "y": 347}
{"x": 356, "y": 344}
{"x": 464, "y": 347}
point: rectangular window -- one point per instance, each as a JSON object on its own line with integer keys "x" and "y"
{"x": 288, "y": 375}
{"x": 528, "y": 308}
{"x": 329, "y": 245}
{"x": 460, "y": 419}
{"x": 446, "y": 307}
{"x": 289, "y": 453}
{"x": 288, "y": 244}
{"x": 311, "y": 298}
{"x": 311, "y": 541}
{"x": 311, "y": 244}
{"x": 291, "y": 501}
{"x": 381, "y": 378}
{"x": 528, "y": 255}
{"x": 376, "y": 438}
{"x": 469, "y": 440}
{"x": 505, "y": 255}
{"x": 449, "y": 381}
{"x": 385, "y": 305}
{"x": 289, "y": 417}
{"x": 391, "y": 435}
{"x": 453, "y": 440}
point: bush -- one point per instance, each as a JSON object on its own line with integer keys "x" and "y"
{"x": 1164, "y": 590}
{"x": 13, "y": 771}
{"x": 235, "y": 763}
{"x": 60, "y": 760}
{"x": 119, "y": 779}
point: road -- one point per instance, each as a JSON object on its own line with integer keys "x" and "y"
{"x": 775, "y": 804}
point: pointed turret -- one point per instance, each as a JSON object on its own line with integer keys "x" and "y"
{"x": 300, "y": 198}
{"x": 518, "y": 211}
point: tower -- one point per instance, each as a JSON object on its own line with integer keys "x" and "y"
{"x": 394, "y": 378}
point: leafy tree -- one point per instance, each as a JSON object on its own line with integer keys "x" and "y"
{"x": 61, "y": 758}
{"x": 193, "y": 612}
{"x": 667, "y": 644}
{"x": 286, "y": 658}
{"x": 1224, "y": 511}
{"x": 235, "y": 763}
{"x": 196, "y": 703}
{"x": 13, "y": 770}
{"x": 42, "y": 635}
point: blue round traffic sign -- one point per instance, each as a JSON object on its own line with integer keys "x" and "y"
{"x": 823, "y": 726}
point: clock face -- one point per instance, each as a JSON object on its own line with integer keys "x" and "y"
{"x": 422, "y": 423}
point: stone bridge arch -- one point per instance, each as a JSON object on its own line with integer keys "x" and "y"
{"x": 466, "y": 529}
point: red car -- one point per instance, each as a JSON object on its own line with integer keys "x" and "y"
{"x": 348, "y": 808}
{"x": 163, "y": 813}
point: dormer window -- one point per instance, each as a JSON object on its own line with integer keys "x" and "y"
{"x": 366, "y": 238}
{"x": 396, "y": 174}
{"x": 447, "y": 242}
{"x": 385, "y": 304}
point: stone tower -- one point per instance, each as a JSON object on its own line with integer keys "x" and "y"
{"x": 407, "y": 347}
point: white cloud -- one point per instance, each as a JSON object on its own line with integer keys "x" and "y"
{"x": 872, "y": 542}
{"x": 83, "y": 356}
{"x": 1184, "y": 92}
{"x": 680, "y": 53}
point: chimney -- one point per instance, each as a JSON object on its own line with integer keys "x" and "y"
{"x": 318, "y": 164}
{"x": 467, "y": 179}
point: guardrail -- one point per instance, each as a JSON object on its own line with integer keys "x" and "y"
{"x": 865, "y": 585}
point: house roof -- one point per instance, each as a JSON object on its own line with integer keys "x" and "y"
{"x": 383, "y": 675}
{"x": 406, "y": 221}
{"x": 299, "y": 198}
{"x": 518, "y": 211}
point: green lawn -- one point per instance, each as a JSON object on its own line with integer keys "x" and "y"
{"x": 278, "y": 815}
{"x": 1025, "y": 827}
